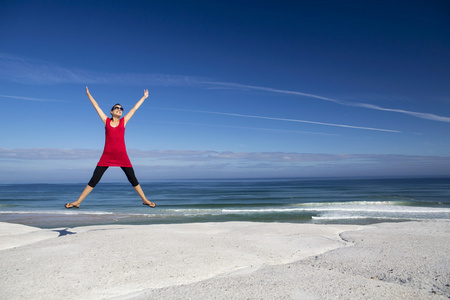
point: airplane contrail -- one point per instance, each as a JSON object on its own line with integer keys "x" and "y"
{"x": 281, "y": 119}
{"x": 421, "y": 115}
{"x": 30, "y": 71}
{"x": 30, "y": 99}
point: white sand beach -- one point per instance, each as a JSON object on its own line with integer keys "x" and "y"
{"x": 233, "y": 260}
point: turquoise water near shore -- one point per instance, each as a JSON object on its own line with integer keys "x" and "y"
{"x": 319, "y": 201}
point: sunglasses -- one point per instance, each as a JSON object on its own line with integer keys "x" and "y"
{"x": 116, "y": 107}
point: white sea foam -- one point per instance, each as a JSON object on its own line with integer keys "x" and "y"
{"x": 345, "y": 208}
{"x": 336, "y": 218}
{"x": 56, "y": 212}
{"x": 348, "y": 203}
{"x": 323, "y": 212}
{"x": 399, "y": 209}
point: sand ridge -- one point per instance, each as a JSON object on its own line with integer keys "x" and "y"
{"x": 233, "y": 260}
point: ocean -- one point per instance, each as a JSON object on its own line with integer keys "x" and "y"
{"x": 318, "y": 201}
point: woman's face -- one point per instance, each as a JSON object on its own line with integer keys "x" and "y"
{"x": 117, "y": 111}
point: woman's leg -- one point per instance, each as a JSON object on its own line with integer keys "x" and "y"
{"x": 87, "y": 190}
{"x": 134, "y": 182}
{"x": 98, "y": 173}
{"x": 141, "y": 194}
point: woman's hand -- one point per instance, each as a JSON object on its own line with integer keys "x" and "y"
{"x": 97, "y": 108}
{"x": 136, "y": 106}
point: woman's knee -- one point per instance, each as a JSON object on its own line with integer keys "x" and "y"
{"x": 98, "y": 174}
{"x": 129, "y": 172}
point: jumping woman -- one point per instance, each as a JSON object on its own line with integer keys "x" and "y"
{"x": 114, "y": 153}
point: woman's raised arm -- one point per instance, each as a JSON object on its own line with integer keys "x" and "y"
{"x": 100, "y": 112}
{"x": 136, "y": 106}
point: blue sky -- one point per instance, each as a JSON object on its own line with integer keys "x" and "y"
{"x": 238, "y": 89}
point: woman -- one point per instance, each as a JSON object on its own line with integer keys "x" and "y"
{"x": 114, "y": 153}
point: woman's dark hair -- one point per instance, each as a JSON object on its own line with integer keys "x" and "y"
{"x": 112, "y": 108}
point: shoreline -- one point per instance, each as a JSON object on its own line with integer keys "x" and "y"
{"x": 70, "y": 219}
{"x": 227, "y": 260}
{"x": 358, "y": 202}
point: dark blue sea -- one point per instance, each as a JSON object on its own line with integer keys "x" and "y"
{"x": 318, "y": 201}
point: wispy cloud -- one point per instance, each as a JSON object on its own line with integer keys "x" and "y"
{"x": 48, "y": 154}
{"x": 426, "y": 116}
{"x": 69, "y": 165}
{"x": 214, "y": 156}
{"x": 246, "y": 127}
{"x": 31, "y": 99}
{"x": 29, "y": 71}
{"x": 421, "y": 115}
{"x": 284, "y": 120}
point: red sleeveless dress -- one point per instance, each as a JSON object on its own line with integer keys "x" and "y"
{"x": 115, "y": 152}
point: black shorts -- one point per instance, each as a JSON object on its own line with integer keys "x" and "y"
{"x": 99, "y": 171}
